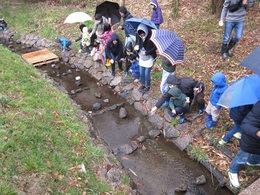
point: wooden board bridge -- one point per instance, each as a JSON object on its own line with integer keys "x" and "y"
{"x": 40, "y": 57}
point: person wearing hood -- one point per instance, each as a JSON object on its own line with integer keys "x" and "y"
{"x": 213, "y": 110}
{"x": 191, "y": 88}
{"x": 114, "y": 52}
{"x": 178, "y": 104}
{"x": 147, "y": 54}
{"x": 157, "y": 17}
{"x": 64, "y": 43}
{"x": 129, "y": 35}
{"x": 249, "y": 153}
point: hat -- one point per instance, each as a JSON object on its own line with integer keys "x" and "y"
{"x": 123, "y": 9}
{"x": 173, "y": 80}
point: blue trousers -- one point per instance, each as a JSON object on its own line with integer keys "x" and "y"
{"x": 240, "y": 160}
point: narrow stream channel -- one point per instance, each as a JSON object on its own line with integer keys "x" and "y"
{"x": 157, "y": 166}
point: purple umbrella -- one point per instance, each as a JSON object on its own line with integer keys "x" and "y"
{"x": 169, "y": 45}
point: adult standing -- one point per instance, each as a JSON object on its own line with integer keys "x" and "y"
{"x": 168, "y": 69}
{"x": 157, "y": 17}
{"x": 99, "y": 26}
{"x": 233, "y": 13}
{"x": 191, "y": 88}
{"x": 125, "y": 14}
{"x": 147, "y": 54}
{"x": 249, "y": 145}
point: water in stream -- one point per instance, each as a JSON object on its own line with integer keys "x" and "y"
{"x": 157, "y": 166}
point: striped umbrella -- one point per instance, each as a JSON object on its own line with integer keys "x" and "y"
{"x": 169, "y": 45}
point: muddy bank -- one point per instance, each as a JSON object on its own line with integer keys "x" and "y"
{"x": 153, "y": 164}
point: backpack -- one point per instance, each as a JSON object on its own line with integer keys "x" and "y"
{"x": 85, "y": 37}
{"x": 235, "y": 7}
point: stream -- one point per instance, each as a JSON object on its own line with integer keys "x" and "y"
{"x": 157, "y": 166}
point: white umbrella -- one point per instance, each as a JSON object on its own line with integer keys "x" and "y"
{"x": 77, "y": 17}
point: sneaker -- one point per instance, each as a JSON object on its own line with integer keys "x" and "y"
{"x": 233, "y": 178}
{"x": 136, "y": 80}
{"x": 113, "y": 74}
{"x": 222, "y": 142}
{"x": 253, "y": 164}
{"x": 80, "y": 51}
{"x": 126, "y": 74}
{"x": 237, "y": 135}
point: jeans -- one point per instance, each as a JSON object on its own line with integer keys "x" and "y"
{"x": 145, "y": 76}
{"x": 240, "y": 160}
{"x": 230, "y": 134}
{"x": 238, "y": 28}
{"x": 163, "y": 85}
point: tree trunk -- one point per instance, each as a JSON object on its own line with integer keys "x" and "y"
{"x": 216, "y": 6}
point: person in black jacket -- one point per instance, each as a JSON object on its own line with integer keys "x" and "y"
{"x": 147, "y": 53}
{"x": 191, "y": 88}
{"x": 129, "y": 35}
{"x": 249, "y": 145}
{"x": 114, "y": 52}
{"x": 237, "y": 114}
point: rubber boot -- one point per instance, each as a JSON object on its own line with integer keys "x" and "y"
{"x": 182, "y": 118}
{"x": 211, "y": 124}
{"x": 208, "y": 118}
{"x": 224, "y": 51}
{"x": 231, "y": 44}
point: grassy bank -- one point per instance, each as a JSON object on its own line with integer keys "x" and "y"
{"x": 41, "y": 135}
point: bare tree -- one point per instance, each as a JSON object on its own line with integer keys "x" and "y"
{"x": 216, "y": 6}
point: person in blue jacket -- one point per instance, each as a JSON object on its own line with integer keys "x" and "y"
{"x": 134, "y": 69}
{"x": 157, "y": 17}
{"x": 64, "y": 43}
{"x": 249, "y": 153}
{"x": 212, "y": 109}
{"x": 114, "y": 52}
{"x": 129, "y": 34}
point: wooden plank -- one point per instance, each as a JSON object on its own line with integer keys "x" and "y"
{"x": 40, "y": 57}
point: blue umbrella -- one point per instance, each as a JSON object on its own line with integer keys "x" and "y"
{"x": 132, "y": 24}
{"x": 244, "y": 91}
{"x": 252, "y": 61}
{"x": 169, "y": 45}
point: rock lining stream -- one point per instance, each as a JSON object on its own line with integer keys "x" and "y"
{"x": 119, "y": 117}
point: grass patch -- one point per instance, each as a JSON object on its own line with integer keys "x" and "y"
{"x": 198, "y": 153}
{"x": 41, "y": 132}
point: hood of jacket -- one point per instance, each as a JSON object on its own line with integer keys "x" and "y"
{"x": 154, "y": 2}
{"x": 219, "y": 79}
{"x": 143, "y": 28}
{"x": 176, "y": 92}
{"x": 114, "y": 37}
{"x": 129, "y": 46}
{"x": 173, "y": 80}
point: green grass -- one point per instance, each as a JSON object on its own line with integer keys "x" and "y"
{"x": 41, "y": 133}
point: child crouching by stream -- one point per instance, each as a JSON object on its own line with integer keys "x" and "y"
{"x": 134, "y": 68}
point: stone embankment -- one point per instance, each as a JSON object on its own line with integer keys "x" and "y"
{"x": 180, "y": 135}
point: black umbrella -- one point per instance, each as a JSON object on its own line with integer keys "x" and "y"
{"x": 252, "y": 61}
{"x": 109, "y": 10}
